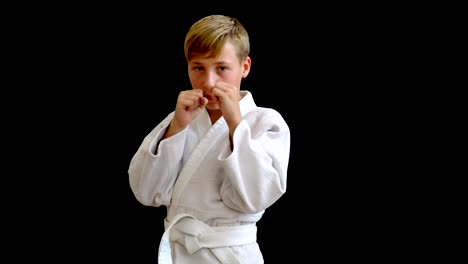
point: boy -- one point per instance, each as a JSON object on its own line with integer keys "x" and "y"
{"x": 218, "y": 160}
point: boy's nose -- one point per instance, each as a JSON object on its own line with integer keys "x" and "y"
{"x": 210, "y": 80}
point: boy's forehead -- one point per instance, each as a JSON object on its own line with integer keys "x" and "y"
{"x": 210, "y": 60}
{"x": 226, "y": 55}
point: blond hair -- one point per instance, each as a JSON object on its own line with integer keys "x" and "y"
{"x": 208, "y": 35}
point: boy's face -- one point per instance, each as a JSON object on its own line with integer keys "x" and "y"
{"x": 205, "y": 73}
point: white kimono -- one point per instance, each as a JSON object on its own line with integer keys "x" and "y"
{"x": 214, "y": 196}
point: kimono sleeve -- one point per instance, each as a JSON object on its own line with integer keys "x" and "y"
{"x": 256, "y": 169}
{"x": 154, "y": 167}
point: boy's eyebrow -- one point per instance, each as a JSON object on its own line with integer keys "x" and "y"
{"x": 222, "y": 62}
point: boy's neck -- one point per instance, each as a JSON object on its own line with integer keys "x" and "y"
{"x": 214, "y": 115}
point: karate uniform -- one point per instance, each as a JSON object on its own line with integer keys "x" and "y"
{"x": 214, "y": 196}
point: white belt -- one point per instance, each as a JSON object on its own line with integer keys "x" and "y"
{"x": 195, "y": 234}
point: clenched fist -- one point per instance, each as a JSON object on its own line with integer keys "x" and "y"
{"x": 189, "y": 104}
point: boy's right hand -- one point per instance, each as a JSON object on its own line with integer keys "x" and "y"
{"x": 189, "y": 104}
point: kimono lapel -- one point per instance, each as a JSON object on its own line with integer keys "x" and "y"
{"x": 207, "y": 141}
{"x": 219, "y": 129}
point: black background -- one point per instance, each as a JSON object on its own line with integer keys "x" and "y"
{"x": 97, "y": 79}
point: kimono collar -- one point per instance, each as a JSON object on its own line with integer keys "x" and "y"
{"x": 247, "y": 102}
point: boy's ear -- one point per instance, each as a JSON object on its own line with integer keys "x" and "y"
{"x": 247, "y": 64}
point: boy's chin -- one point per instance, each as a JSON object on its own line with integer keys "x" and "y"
{"x": 212, "y": 105}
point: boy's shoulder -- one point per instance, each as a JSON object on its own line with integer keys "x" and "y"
{"x": 266, "y": 114}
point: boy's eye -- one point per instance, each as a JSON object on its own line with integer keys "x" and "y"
{"x": 222, "y": 68}
{"x": 198, "y": 68}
